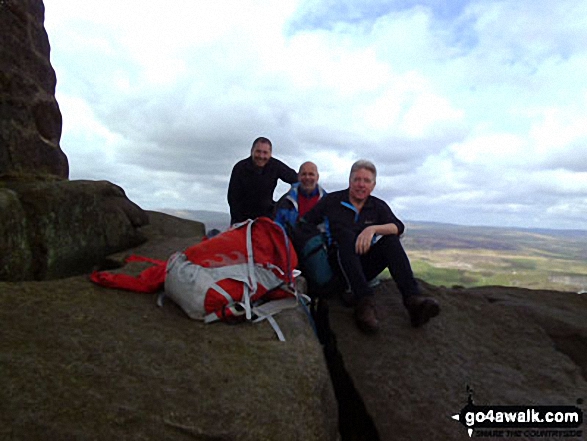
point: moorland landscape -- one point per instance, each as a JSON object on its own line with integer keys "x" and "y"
{"x": 469, "y": 256}
{"x": 449, "y": 255}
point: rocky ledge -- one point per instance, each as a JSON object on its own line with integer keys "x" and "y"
{"x": 57, "y": 228}
{"x": 510, "y": 346}
{"x": 84, "y": 362}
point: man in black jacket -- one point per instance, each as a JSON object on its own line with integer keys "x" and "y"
{"x": 253, "y": 181}
{"x": 367, "y": 235}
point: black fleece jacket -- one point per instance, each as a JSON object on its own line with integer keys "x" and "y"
{"x": 250, "y": 190}
{"x": 339, "y": 215}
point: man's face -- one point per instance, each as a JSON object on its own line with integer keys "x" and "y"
{"x": 261, "y": 154}
{"x": 308, "y": 177}
{"x": 361, "y": 184}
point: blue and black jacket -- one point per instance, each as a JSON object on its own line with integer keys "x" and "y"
{"x": 340, "y": 216}
{"x": 286, "y": 212}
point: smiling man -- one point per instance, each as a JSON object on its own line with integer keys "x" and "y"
{"x": 367, "y": 235}
{"x": 253, "y": 181}
{"x": 301, "y": 197}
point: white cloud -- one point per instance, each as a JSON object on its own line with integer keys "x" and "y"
{"x": 473, "y": 113}
{"x": 492, "y": 150}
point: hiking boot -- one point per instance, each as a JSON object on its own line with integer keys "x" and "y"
{"x": 421, "y": 309}
{"x": 366, "y": 315}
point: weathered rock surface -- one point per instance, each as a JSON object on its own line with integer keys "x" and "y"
{"x": 78, "y": 361}
{"x": 83, "y": 362}
{"x": 512, "y": 346}
{"x": 51, "y": 229}
{"x": 30, "y": 120}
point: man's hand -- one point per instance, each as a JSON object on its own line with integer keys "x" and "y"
{"x": 364, "y": 240}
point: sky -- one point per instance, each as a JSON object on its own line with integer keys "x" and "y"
{"x": 474, "y": 112}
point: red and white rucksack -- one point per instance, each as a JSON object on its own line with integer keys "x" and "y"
{"x": 246, "y": 272}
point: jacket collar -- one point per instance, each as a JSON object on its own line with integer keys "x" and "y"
{"x": 346, "y": 202}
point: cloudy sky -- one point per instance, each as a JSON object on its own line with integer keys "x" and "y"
{"x": 475, "y": 112}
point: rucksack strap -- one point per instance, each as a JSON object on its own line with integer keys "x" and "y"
{"x": 232, "y": 306}
{"x": 222, "y": 291}
{"x": 233, "y": 309}
{"x": 251, "y": 288}
{"x": 276, "y": 328}
{"x": 268, "y": 309}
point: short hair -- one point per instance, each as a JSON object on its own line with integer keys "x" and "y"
{"x": 263, "y": 140}
{"x": 364, "y": 164}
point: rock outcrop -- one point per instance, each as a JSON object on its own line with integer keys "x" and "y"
{"x": 511, "y": 346}
{"x": 57, "y": 229}
{"x": 80, "y": 361}
{"x": 84, "y": 362}
{"x": 30, "y": 120}
{"x": 49, "y": 227}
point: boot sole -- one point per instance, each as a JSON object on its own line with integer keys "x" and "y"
{"x": 426, "y": 311}
{"x": 366, "y": 328}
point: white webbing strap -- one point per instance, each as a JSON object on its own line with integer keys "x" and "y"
{"x": 231, "y": 305}
{"x": 276, "y": 268}
{"x": 276, "y": 328}
{"x": 268, "y": 309}
{"x": 251, "y": 289}
{"x": 239, "y": 224}
{"x": 213, "y": 317}
{"x": 306, "y": 298}
{"x": 287, "y": 247}
{"x": 273, "y": 307}
{"x": 222, "y": 291}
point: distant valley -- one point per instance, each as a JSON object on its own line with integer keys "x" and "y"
{"x": 468, "y": 256}
{"x": 454, "y": 255}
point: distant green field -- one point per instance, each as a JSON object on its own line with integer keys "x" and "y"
{"x": 450, "y": 255}
{"x": 454, "y": 255}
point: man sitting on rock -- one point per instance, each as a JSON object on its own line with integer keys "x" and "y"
{"x": 367, "y": 235}
{"x": 301, "y": 197}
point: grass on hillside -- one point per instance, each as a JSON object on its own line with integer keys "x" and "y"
{"x": 468, "y": 268}
{"x": 455, "y": 255}
{"x": 452, "y": 255}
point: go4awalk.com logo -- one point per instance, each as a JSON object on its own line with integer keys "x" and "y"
{"x": 521, "y": 421}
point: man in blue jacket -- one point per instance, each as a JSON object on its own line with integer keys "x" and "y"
{"x": 301, "y": 197}
{"x": 253, "y": 181}
{"x": 367, "y": 235}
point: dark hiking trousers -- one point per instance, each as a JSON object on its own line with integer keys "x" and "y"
{"x": 387, "y": 252}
